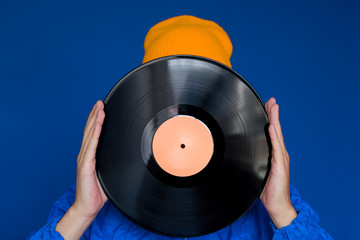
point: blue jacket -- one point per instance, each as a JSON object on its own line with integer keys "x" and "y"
{"x": 255, "y": 224}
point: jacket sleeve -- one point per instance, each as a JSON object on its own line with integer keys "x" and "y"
{"x": 58, "y": 210}
{"x": 305, "y": 226}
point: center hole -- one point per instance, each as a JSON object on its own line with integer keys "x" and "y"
{"x": 182, "y": 146}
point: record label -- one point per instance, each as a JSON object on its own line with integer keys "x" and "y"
{"x": 183, "y": 146}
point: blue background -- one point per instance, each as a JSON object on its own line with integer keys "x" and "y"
{"x": 58, "y": 58}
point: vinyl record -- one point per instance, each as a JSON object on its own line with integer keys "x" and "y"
{"x": 183, "y": 150}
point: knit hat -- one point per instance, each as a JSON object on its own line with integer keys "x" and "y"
{"x": 188, "y": 35}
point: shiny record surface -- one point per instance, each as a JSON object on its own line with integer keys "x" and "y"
{"x": 222, "y": 191}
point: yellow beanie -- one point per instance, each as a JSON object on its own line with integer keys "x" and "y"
{"x": 188, "y": 35}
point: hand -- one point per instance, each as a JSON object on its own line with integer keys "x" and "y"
{"x": 276, "y": 193}
{"x": 90, "y": 197}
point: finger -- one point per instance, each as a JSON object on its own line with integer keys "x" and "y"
{"x": 274, "y": 113}
{"x": 99, "y": 120}
{"x": 82, "y": 159}
{"x": 269, "y": 105}
{"x": 99, "y": 106}
{"x": 277, "y": 152}
{"x": 88, "y": 132}
{"x": 277, "y": 125}
{"x": 91, "y": 119}
{"x": 89, "y": 157}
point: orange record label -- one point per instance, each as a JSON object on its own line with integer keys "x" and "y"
{"x": 183, "y": 146}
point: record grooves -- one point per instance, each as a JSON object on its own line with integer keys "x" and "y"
{"x": 157, "y": 199}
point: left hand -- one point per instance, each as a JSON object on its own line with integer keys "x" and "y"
{"x": 276, "y": 193}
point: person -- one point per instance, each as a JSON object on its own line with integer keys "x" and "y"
{"x": 84, "y": 212}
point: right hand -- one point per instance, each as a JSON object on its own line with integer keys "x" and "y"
{"x": 89, "y": 195}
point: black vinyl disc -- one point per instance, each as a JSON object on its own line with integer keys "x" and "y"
{"x": 216, "y": 196}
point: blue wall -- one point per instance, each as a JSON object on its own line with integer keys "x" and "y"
{"x": 57, "y": 59}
